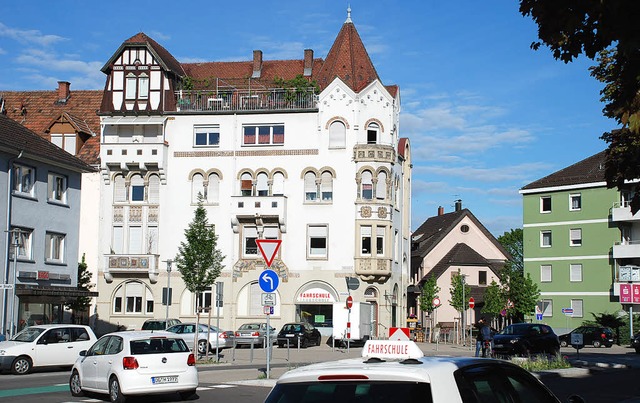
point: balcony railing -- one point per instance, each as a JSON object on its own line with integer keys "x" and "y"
{"x": 374, "y": 153}
{"x": 246, "y": 100}
{"x": 134, "y": 155}
{"x": 244, "y": 206}
{"x": 626, "y": 250}
{"x": 373, "y": 269}
{"x": 622, "y": 212}
{"x": 129, "y": 264}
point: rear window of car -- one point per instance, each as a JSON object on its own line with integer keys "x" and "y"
{"x": 156, "y": 345}
{"x": 345, "y": 391}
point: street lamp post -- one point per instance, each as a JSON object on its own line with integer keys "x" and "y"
{"x": 464, "y": 311}
{"x": 16, "y": 244}
{"x": 168, "y": 297}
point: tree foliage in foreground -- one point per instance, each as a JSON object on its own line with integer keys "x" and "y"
{"x": 607, "y": 31}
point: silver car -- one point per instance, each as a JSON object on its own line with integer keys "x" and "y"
{"x": 256, "y": 334}
{"x": 218, "y": 339}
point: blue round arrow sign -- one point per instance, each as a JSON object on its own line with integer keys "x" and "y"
{"x": 268, "y": 280}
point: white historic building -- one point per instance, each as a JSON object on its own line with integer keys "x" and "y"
{"x": 305, "y": 151}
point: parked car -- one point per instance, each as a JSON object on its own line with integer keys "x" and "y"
{"x": 123, "y": 364}
{"x": 55, "y": 345}
{"x": 218, "y": 338}
{"x": 526, "y": 339}
{"x": 635, "y": 342}
{"x": 256, "y": 334}
{"x": 595, "y": 336}
{"x": 301, "y": 334}
{"x": 159, "y": 324}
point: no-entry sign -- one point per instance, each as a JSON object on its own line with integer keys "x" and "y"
{"x": 472, "y": 303}
{"x": 349, "y": 302}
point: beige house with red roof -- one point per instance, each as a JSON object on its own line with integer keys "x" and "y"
{"x": 305, "y": 151}
{"x": 449, "y": 244}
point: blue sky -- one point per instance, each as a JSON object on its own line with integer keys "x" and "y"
{"x": 485, "y": 114}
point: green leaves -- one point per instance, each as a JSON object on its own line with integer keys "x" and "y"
{"x": 198, "y": 260}
{"x": 430, "y": 291}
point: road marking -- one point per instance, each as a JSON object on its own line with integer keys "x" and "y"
{"x": 34, "y": 391}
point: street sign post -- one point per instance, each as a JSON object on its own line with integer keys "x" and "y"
{"x": 268, "y": 299}
{"x": 349, "y": 302}
{"x": 567, "y": 311}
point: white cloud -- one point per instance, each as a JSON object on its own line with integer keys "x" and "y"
{"x": 29, "y": 36}
{"x": 518, "y": 172}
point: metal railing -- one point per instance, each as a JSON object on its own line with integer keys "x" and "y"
{"x": 246, "y": 100}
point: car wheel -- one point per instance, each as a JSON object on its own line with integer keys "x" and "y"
{"x": 637, "y": 350}
{"x": 319, "y": 341}
{"x": 21, "y": 365}
{"x": 304, "y": 343}
{"x": 563, "y": 343}
{"x": 596, "y": 343}
{"x": 75, "y": 385}
{"x": 187, "y": 394}
{"x": 202, "y": 347}
{"x": 115, "y": 394}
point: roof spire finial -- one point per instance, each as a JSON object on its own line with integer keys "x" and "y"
{"x": 348, "y": 14}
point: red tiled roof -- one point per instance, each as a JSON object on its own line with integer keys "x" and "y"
{"x": 18, "y": 137}
{"x": 36, "y": 110}
{"x": 165, "y": 57}
{"x": 348, "y": 59}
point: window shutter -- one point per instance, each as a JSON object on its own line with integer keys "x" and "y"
{"x": 337, "y": 135}
{"x": 134, "y": 289}
{"x": 262, "y": 186}
{"x": 270, "y": 233}
{"x": 197, "y": 186}
{"x": 118, "y": 239}
{"x": 318, "y": 231}
{"x": 255, "y": 300}
{"x": 246, "y": 184}
{"x": 381, "y": 186}
{"x": 135, "y": 240}
{"x": 154, "y": 189}
{"x": 70, "y": 143}
{"x": 310, "y": 188}
{"x": 120, "y": 191}
{"x": 278, "y": 184}
{"x": 213, "y": 190}
{"x": 326, "y": 186}
{"x": 365, "y": 231}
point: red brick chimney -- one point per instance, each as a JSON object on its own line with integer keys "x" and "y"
{"x": 63, "y": 91}
{"x": 308, "y": 62}
{"x": 257, "y": 63}
{"x": 440, "y": 210}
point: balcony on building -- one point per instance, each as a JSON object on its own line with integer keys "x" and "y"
{"x": 621, "y": 212}
{"x": 627, "y": 249}
{"x": 231, "y": 99}
{"x": 263, "y": 206}
{"x": 373, "y": 269}
{"x": 126, "y": 265}
{"x": 367, "y": 152}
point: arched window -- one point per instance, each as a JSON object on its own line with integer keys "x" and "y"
{"x": 262, "y": 184}
{"x": 154, "y": 189}
{"x": 213, "y": 188}
{"x": 136, "y": 193}
{"x": 372, "y": 133}
{"x": 133, "y": 297}
{"x": 119, "y": 189}
{"x": 337, "y": 135}
{"x": 310, "y": 187}
{"x": 197, "y": 187}
{"x": 367, "y": 185}
{"x": 277, "y": 188}
{"x": 381, "y": 186}
{"x": 326, "y": 186}
{"x": 246, "y": 184}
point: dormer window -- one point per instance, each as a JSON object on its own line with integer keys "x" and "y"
{"x": 137, "y": 86}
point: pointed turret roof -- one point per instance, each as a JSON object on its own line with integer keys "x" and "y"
{"x": 348, "y": 60}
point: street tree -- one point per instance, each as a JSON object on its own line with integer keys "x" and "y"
{"x": 521, "y": 294}
{"x": 81, "y": 304}
{"x": 430, "y": 291}
{"x": 494, "y": 301}
{"x": 607, "y": 32}
{"x": 460, "y": 293}
{"x": 199, "y": 260}
{"x": 513, "y": 243}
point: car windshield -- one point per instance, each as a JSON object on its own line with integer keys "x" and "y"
{"x": 515, "y": 330}
{"x": 156, "y": 345}
{"x": 344, "y": 391}
{"x": 154, "y": 325}
{"x": 250, "y": 326}
{"x": 29, "y": 334}
{"x": 292, "y": 328}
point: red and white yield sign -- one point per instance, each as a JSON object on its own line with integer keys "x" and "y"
{"x": 472, "y": 303}
{"x": 349, "y": 302}
{"x": 269, "y": 249}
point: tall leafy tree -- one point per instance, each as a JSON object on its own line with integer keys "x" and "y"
{"x": 460, "y": 293}
{"x": 513, "y": 242}
{"x": 494, "y": 301}
{"x": 606, "y": 31}
{"x": 521, "y": 294}
{"x": 430, "y": 291}
{"x": 81, "y": 304}
{"x": 199, "y": 260}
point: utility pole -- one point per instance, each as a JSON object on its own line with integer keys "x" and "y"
{"x": 168, "y": 295}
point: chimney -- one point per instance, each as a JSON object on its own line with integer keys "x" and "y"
{"x": 308, "y": 62}
{"x": 440, "y": 210}
{"x": 458, "y": 205}
{"x": 257, "y": 63}
{"x": 63, "y": 91}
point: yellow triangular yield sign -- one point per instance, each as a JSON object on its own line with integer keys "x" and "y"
{"x": 269, "y": 249}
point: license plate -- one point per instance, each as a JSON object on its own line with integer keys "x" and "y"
{"x": 158, "y": 380}
{"x": 497, "y": 345}
{"x": 289, "y": 335}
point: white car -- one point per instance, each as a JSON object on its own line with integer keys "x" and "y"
{"x": 397, "y": 371}
{"x": 56, "y": 345}
{"x": 218, "y": 338}
{"x": 130, "y": 363}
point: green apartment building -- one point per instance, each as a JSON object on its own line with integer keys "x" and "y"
{"x": 570, "y": 243}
